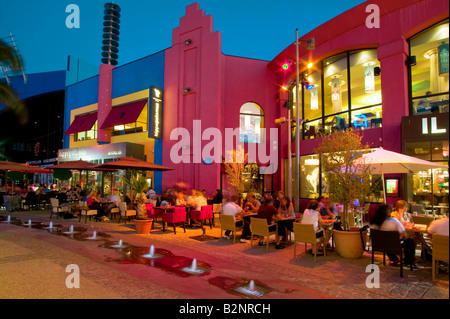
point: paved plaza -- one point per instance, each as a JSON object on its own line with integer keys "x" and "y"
{"x": 33, "y": 264}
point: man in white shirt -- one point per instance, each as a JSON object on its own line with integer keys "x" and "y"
{"x": 200, "y": 201}
{"x": 439, "y": 227}
{"x": 233, "y": 209}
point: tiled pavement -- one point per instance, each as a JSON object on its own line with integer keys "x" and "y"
{"x": 33, "y": 265}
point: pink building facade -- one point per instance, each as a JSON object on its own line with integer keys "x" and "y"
{"x": 204, "y": 85}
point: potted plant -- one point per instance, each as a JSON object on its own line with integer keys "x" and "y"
{"x": 347, "y": 181}
{"x": 138, "y": 185}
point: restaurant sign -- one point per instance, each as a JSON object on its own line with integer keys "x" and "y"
{"x": 156, "y": 99}
{"x": 419, "y": 127}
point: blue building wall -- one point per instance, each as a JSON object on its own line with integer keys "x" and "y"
{"x": 128, "y": 78}
{"x": 37, "y": 84}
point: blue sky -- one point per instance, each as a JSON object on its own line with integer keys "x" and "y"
{"x": 249, "y": 28}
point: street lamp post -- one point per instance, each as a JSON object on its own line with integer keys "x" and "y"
{"x": 297, "y": 133}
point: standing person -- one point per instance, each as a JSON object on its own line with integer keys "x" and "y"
{"x": 382, "y": 221}
{"x": 328, "y": 210}
{"x": 269, "y": 212}
{"x": 312, "y": 216}
{"x": 232, "y": 208}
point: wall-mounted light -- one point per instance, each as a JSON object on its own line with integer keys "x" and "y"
{"x": 187, "y": 90}
{"x": 377, "y": 71}
{"x": 411, "y": 60}
{"x": 188, "y": 41}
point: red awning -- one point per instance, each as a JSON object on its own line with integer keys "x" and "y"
{"x": 82, "y": 123}
{"x": 124, "y": 114}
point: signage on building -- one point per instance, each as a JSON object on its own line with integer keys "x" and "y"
{"x": 425, "y": 127}
{"x": 99, "y": 152}
{"x": 156, "y": 98}
{"x": 443, "y": 58}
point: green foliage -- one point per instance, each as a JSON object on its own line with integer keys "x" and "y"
{"x": 347, "y": 180}
{"x": 138, "y": 185}
{"x": 15, "y": 176}
{"x": 62, "y": 174}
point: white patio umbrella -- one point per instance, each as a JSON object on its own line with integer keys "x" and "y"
{"x": 388, "y": 162}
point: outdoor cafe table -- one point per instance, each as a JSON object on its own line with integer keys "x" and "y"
{"x": 416, "y": 232}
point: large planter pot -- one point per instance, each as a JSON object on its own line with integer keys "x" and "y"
{"x": 348, "y": 243}
{"x": 143, "y": 226}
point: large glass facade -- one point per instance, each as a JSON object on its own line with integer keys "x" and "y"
{"x": 344, "y": 92}
{"x": 430, "y": 74}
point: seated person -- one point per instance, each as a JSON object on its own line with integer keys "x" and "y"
{"x": 181, "y": 199}
{"x": 312, "y": 216}
{"x": 232, "y": 208}
{"x": 115, "y": 200}
{"x": 382, "y": 221}
{"x": 200, "y": 201}
{"x": 286, "y": 218}
{"x": 252, "y": 205}
{"x": 190, "y": 200}
{"x": 328, "y": 210}
{"x": 401, "y": 212}
{"x": 269, "y": 212}
{"x": 93, "y": 202}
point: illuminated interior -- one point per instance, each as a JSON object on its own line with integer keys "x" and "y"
{"x": 430, "y": 75}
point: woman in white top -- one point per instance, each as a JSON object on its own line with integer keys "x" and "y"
{"x": 312, "y": 216}
{"x": 382, "y": 221}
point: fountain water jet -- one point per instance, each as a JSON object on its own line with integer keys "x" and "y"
{"x": 119, "y": 245}
{"x": 94, "y": 236}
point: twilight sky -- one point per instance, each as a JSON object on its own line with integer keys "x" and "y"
{"x": 249, "y": 28}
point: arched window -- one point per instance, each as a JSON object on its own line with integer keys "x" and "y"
{"x": 251, "y": 123}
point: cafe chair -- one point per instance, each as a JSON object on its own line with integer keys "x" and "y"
{"x": 177, "y": 216}
{"x": 153, "y": 213}
{"x": 387, "y": 242}
{"x": 227, "y": 222}
{"x": 125, "y": 213}
{"x": 205, "y": 213}
{"x": 422, "y": 220}
{"x": 259, "y": 227}
{"x": 113, "y": 212}
{"x": 85, "y": 211}
{"x": 439, "y": 252}
{"x": 56, "y": 209}
{"x": 31, "y": 201}
{"x": 217, "y": 209}
{"x": 305, "y": 233}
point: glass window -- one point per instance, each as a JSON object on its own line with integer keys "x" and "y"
{"x": 365, "y": 118}
{"x": 312, "y": 105}
{"x": 419, "y": 149}
{"x": 336, "y": 123}
{"x": 335, "y": 84}
{"x": 312, "y": 129}
{"x": 89, "y": 135}
{"x": 140, "y": 125}
{"x": 309, "y": 176}
{"x": 365, "y": 85}
{"x": 429, "y": 77}
{"x": 251, "y": 123}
